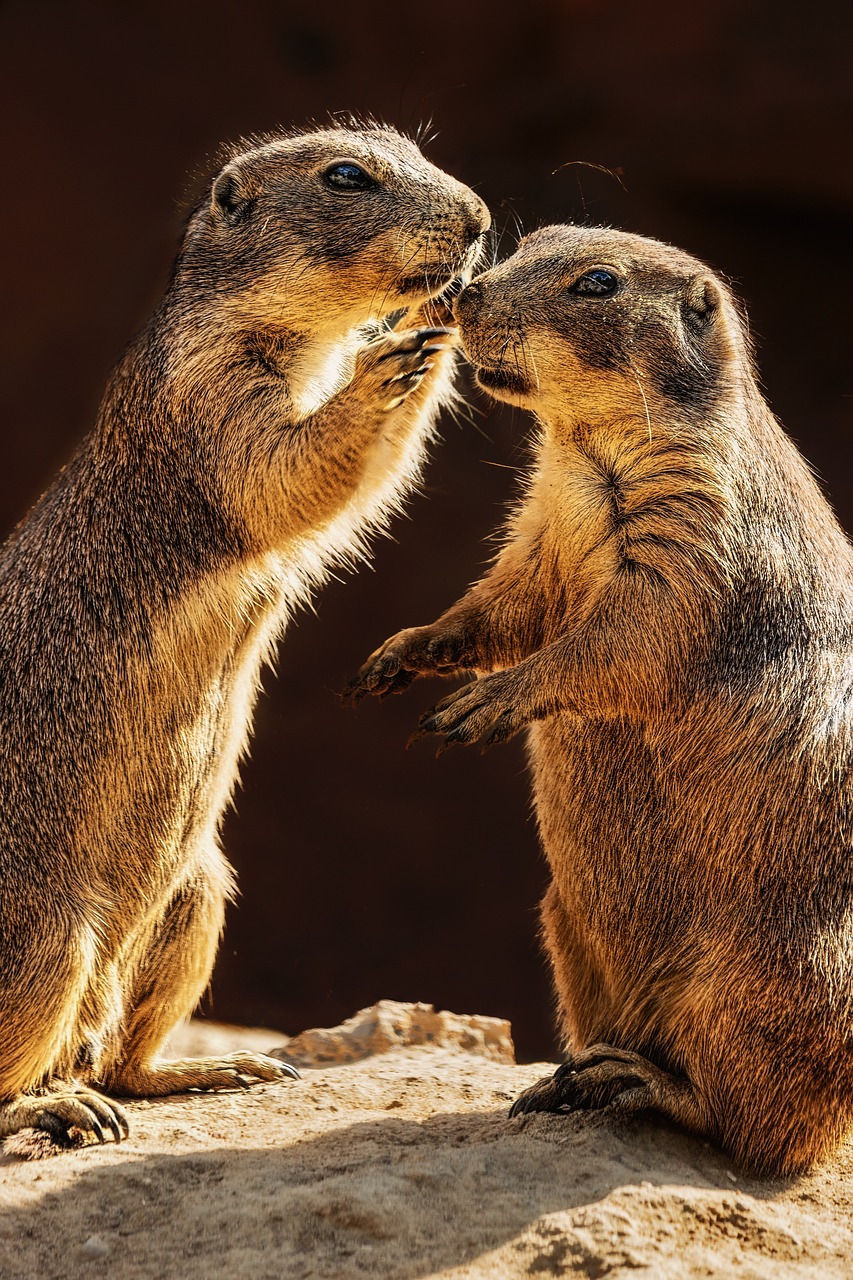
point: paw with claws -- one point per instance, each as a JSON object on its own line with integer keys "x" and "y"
{"x": 488, "y": 710}
{"x": 390, "y": 368}
{"x": 63, "y": 1115}
{"x": 417, "y": 651}
{"x": 238, "y": 1070}
{"x": 602, "y": 1076}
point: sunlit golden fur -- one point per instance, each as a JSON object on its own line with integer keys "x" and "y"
{"x": 260, "y": 426}
{"x": 671, "y": 613}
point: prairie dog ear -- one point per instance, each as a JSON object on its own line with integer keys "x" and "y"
{"x": 233, "y": 197}
{"x": 701, "y": 302}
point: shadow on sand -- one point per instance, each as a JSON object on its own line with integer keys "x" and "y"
{"x": 394, "y": 1199}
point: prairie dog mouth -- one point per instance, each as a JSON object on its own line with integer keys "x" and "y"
{"x": 435, "y": 277}
{"x": 430, "y": 279}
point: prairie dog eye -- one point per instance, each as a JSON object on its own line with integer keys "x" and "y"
{"x": 347, "y": 176}
{"x": 596, "y": 284}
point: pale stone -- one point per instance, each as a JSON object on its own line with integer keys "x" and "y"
{"x": 392, "y": 1024}
{"x": 95, "y": 1247}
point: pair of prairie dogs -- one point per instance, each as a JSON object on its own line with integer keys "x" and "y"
{"x": 670, "y": 614}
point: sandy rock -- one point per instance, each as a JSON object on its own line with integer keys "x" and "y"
{"x": 391, "y": 1024}
{"x": 405, "y": 1166}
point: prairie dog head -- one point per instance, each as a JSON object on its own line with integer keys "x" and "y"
{"x": 586, "y": 323}
{"x": 326, "y": 230}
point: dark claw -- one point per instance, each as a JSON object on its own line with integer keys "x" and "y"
{"x": 119, "y": 1126}
{"x": 287, "y": 1069}
{"x": 110, "y": 1115}
{"x": 94, "y": 1124}
{"x": 524, "y": 1105}
{"x": 369, "y": 678}
{"x": 547, "y": 1095}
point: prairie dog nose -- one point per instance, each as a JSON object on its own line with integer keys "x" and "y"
{"x": 479, "y": 220}
{"x": 468, "y": 301}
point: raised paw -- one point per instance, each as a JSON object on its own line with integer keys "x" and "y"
{"x": 64, "y": 1115}
{"x": 594, "y": 1078}
{"x": 394, "y": 365}
{"x": 488, "y": 710}
{"x": 411, "y": 653}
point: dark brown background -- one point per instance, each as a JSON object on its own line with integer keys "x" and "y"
{"x": 367, "y": 872}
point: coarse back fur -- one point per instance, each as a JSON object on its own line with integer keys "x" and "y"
{"x": 261, "y": 424}
{"x": 673, "y": 607}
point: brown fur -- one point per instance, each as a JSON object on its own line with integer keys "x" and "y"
{"x": 671, "y": 613}
{"x": 250, "y": 437}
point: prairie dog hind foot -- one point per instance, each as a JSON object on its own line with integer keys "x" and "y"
{"x": 61, "y": 1119}
{"x": 232, "y": 1071}
{"x": 602, "y": 1076}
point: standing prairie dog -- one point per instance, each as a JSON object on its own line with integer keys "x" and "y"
{"x": 672, "y": 614}
{"x": 250, "y": 437}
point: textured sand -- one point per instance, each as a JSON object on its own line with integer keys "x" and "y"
{"x": 403, "y": 1164}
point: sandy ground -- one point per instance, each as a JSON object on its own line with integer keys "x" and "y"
{"x": 401, "y": 1165}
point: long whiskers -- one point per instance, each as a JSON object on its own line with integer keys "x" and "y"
{"x": 645, "y": 401}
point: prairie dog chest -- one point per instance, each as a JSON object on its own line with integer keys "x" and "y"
{"x": 574, "y": 503}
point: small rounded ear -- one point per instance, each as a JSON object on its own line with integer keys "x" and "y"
{"x": 233, "y": 197}
{"x": 701, "y": 301}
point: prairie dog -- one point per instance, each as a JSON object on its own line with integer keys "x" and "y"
{"x": 260, "y": 425}
{"x": 672, "y": 615}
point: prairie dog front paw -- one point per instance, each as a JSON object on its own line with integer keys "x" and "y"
{"x": 414, "y": 652}
{"x": 390, "y": 368}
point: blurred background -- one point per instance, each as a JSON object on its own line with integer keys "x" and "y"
{"x": 367, "y": 871}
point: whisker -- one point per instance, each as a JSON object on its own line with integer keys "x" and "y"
{"x": 645, "y": 401}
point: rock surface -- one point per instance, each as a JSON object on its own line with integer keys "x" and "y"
{"x": 393, "y": 1025}
{"x": 404, "y": 1166}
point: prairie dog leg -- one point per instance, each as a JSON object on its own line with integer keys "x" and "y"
{"x": 172, "y": 978}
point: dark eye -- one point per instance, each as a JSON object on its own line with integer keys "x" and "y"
{"x": 348, "y": 177}
{"x": 596, "y": 284}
